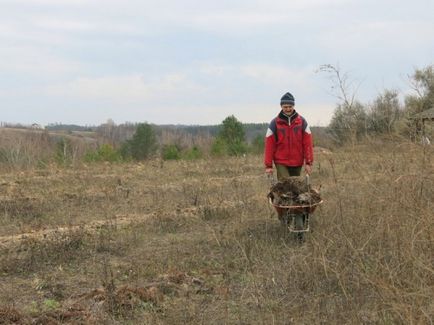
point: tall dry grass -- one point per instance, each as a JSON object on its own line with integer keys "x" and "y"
{"x": 197, "y": 242}
{"x": 22, "y": 149}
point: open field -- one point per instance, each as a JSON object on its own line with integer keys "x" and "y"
{"x": 197, "y": 243}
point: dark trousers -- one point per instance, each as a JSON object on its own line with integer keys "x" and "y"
{"x": 284, "y": 172}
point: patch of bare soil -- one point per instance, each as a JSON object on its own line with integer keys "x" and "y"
{"x": 293, "y": 191}
{"x": 91, "y": 227}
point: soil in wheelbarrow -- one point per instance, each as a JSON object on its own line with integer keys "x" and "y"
{"x": 293, "y": 191}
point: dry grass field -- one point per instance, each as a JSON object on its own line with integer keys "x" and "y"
{"x": 197, "y": 243}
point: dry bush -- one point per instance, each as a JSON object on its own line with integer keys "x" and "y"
{"x": 21, "y": 149}
{"x": 27, "y": 149}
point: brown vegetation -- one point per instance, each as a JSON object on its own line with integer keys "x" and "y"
{"x": 28, "y": 148}
{"x": 197, "y": 242}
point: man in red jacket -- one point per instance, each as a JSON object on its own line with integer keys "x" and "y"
{"x": 288, "y": 142}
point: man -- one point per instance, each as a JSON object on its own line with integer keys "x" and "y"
{"x": 288, "y": 142}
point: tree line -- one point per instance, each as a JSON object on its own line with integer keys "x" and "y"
{"x": 141, "y": 141}
{"x": 230, "y": 139}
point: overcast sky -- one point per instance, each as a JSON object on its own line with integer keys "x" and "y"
{"x": 198, "y": 61}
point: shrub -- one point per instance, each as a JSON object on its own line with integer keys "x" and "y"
{"x": 142, "y": 145}
{"x": 384, "y": 112}
{"x": 423, "y": 84}
{"x": 349, "y": 122}
{"x": 193, "y": 154}
{"x": 63, "y": 154}
{"x": 237, "y": 148}
{"x": 105, "y": 152}
{"x": 219, "y": 148}
{"x": 170, "y": 152}
{"x": 231, "y": 138}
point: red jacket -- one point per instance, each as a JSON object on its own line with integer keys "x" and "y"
{"x": 288, "y": 141}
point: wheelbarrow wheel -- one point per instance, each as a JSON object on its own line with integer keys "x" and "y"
{"x": 299, "y": 225}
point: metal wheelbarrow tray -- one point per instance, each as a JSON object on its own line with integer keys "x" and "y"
{"x": 306, "y": 208}
{"x": 289, "y": 211}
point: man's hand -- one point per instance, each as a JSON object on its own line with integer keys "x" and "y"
{"x": 308, "y": 169}
{"x": 269, "y": 171}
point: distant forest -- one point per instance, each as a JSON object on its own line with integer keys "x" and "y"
{"x": 117, "y": 133}
{"x": 252, "y": 129}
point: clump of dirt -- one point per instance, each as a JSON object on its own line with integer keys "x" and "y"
{"x": 74, "y": 315}
{"x": 293, "y": 191}
{"x": 122, "y": 300}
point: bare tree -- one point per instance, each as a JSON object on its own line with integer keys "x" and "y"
{"x": 349, "y": 120}
{"x": 343, "y": 88}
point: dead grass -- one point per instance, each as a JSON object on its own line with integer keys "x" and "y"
{"x": 211, "y": 250}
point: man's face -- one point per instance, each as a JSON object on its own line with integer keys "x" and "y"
{"x": 288, "y": 109}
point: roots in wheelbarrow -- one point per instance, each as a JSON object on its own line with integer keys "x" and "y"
{"x": 293, "y": 191}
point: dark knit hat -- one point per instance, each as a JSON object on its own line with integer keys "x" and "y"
{"x": 287, "y": 99}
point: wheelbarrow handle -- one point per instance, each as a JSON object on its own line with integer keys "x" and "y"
{"x": 271, "y": 179}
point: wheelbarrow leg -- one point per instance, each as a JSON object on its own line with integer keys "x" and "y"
{"x": 282, "y": 214}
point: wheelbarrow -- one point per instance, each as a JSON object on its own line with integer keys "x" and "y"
{"x": 296, "y": 217}
{"x": 289, "y": 212}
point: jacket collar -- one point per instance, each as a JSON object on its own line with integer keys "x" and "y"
{"x": 289, "y": 119}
